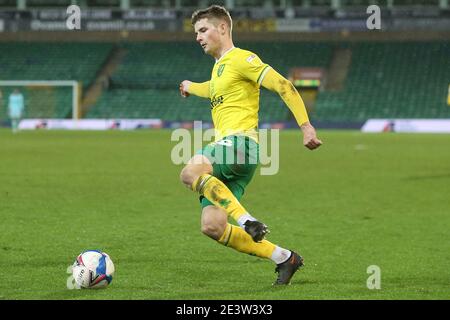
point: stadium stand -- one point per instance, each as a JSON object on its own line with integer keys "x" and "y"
{"x": 384, "y": 80}
{"x": 51, "y": 61}
{"x": 147, "y": 81}
{"x": 391, "y": 80}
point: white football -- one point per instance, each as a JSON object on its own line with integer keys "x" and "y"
{"x": 93, "y": 269}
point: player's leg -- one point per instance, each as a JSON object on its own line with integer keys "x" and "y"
{"x": 214, "y": 224}
{"x": 221, "y": 196}
{"x": 199, "y": 176}
{"x": 14, "y": 124}
{"x": 196, "y": 166}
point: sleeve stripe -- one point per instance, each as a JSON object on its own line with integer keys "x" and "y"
{"x": 263, "y": 74}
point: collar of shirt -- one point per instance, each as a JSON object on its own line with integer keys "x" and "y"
{"x": 224, "y": 54}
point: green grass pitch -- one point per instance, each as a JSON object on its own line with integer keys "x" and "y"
{"x": 360, "y": 200}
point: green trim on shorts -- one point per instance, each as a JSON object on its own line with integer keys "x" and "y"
{"x": 234, "y": 160}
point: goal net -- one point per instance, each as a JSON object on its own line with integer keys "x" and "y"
{"x": 43, "y": 99}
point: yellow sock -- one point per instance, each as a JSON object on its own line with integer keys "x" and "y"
{"x": 236, "y": 238}
{"x": 218, "y": 193}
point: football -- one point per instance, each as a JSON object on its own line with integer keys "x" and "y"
{"x": 93, "y": 269}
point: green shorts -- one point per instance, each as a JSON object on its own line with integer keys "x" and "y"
{"x": 234, "y": 160}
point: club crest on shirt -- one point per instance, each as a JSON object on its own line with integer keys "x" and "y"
{"x": 220, "y": 70}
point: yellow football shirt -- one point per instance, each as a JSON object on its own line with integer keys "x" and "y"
{"x": 234, "y": 93}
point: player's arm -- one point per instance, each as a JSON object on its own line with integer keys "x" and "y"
{"x": 277, "y": 83}
{"x": 197, "y": 89}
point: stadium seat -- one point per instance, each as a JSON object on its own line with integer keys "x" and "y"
{"x": 151, "y": 84}
{"x": 384, "y": 80}
{"x": 391, "y": 80}
{"x": 50, "y": 61}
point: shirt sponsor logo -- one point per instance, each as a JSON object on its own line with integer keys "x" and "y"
{"x": 250, "y": 59}
{"x": 216, "y": 101}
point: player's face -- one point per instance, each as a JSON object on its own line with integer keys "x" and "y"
{"x": 207, "y": 36}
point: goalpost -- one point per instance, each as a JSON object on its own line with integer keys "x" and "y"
{"x": 46, "y": 98}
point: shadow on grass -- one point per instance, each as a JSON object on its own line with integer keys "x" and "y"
{"x": 428, "y": 177}
{"x": 264, "y": 292}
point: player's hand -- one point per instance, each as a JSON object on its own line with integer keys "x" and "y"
{"x": 309, "y": 136}
{"x": 184, "y": 87}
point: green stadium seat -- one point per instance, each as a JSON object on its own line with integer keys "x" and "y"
{"x": 50, "y": 61}
{"x": 392, "y": 80}
{"x": 150, "y": 73}
{"x": 103, "y": 3}
{"x": 48, "y": 3}
{"x": 384, "y": 80}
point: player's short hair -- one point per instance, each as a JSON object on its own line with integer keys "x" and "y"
{"x": 214, "y": 11}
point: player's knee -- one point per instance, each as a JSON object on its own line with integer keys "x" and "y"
{"x": 186, "y": 176}
{"x": 213, "y": 229}
{"x": 191, "y": 172}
